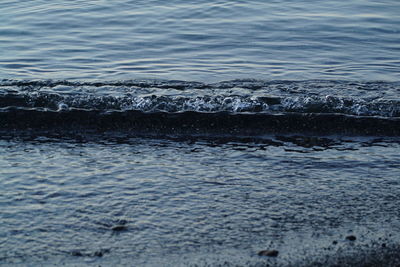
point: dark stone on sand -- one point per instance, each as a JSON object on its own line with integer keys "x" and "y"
{"x": 76, "y": 253}
{"x": 269, "y": 253}
{"x": 384, "y": 245}
{"x": 98, "y": 254}
{"x": 334, "y": 242}
{"x": 119, "y": 228}
{"x": 351, "y": 237}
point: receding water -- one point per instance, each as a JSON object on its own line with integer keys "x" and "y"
{"x": 199, "y": 133}
{"x": 195, "y": 200}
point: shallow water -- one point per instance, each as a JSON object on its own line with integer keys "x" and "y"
{"x": 61, "y": 199}
{"x": 180, "y": 133}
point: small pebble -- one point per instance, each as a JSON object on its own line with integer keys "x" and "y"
{"x": 76, "y": 253}
{"x": 351, "y": 237}
{"x": 118, "y": 228}
{"x": 384, "y": 245}
{"x": 98, "y": 254}
{"x": 334, "y": 242}
{"x": 269, "y": 253}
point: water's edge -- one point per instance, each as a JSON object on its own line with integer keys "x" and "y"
{"x": 239, "y": 107}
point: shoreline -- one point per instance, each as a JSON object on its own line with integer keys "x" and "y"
{"x": 377, "y": 253}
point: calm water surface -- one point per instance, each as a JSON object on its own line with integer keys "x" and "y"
{"x": 200, "y": 40}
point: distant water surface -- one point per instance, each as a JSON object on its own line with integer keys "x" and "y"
{"x": 200, "y": 40}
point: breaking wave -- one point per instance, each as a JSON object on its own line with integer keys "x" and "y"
{"x": 248, "y": 107}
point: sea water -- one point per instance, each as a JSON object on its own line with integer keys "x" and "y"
{"x": 154, "y": 133}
